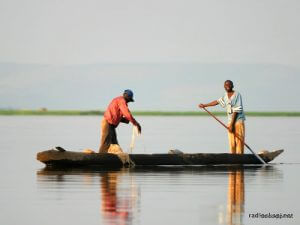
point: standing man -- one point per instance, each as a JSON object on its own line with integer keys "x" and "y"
{"x": 232, "y": 101}
{"x": 116, "y": 112}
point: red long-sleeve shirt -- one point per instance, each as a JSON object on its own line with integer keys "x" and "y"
{"x": 118, "y": 109}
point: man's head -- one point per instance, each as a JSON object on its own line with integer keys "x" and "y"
{"x": 228, "y": 85}
{"x": 128, "y": 95}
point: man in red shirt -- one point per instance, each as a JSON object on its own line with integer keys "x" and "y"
{"x": 116, "y": 112}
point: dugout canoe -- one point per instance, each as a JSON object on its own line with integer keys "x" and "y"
{"x": 78, "y": 159}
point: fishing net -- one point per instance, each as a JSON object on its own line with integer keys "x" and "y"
{"x": 124, "y": 157}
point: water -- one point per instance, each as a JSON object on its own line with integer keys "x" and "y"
{"x": 33, "y": 195}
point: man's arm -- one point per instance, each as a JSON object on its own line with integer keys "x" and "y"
{"x": 213, "y": 103}
{"x": 128, "y": 116}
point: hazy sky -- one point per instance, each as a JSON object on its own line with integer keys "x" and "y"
{"x": 160, "y": 86}
{"x": 78, "y": 54}
{"x": 95, "y": 31}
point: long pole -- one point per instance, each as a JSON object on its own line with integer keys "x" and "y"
{"x": 247, "y": 146}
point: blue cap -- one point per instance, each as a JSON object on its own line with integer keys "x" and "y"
{"x": 129, "y": 94}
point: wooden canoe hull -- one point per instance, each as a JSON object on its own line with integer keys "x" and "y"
{"x": 75, "y": 159}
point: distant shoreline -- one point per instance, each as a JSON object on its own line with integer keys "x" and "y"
{"x": 137, "y": 113}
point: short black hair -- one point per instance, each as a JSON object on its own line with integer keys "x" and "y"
{"x": 229, "y": 82}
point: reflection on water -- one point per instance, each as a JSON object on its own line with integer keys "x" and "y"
{"x": 119, "y": 195}
{"x": 117, "y": 209}
{"x": 236, "y": 197}
{"x": 119, "y": 191}
{"x": 236, "y": 200}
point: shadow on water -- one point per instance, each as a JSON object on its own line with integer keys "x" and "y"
{"x": 120, "y": 194}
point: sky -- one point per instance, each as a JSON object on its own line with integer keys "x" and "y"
{"x": 75, "y": 54}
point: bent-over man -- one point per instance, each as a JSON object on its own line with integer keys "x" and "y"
{"x": 116, "y": 112}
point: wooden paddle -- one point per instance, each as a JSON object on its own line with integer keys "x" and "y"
{"x": 247, "y": 146}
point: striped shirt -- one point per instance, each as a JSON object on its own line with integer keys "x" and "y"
{"x": 233, "y": 104}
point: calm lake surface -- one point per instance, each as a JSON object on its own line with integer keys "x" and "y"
{"x": 30, "y": 194}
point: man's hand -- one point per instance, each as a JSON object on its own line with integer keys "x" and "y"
{"x": 231, "y": 128}
{"x": 139, "y": 127}
{"x": 201, "y": 106}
